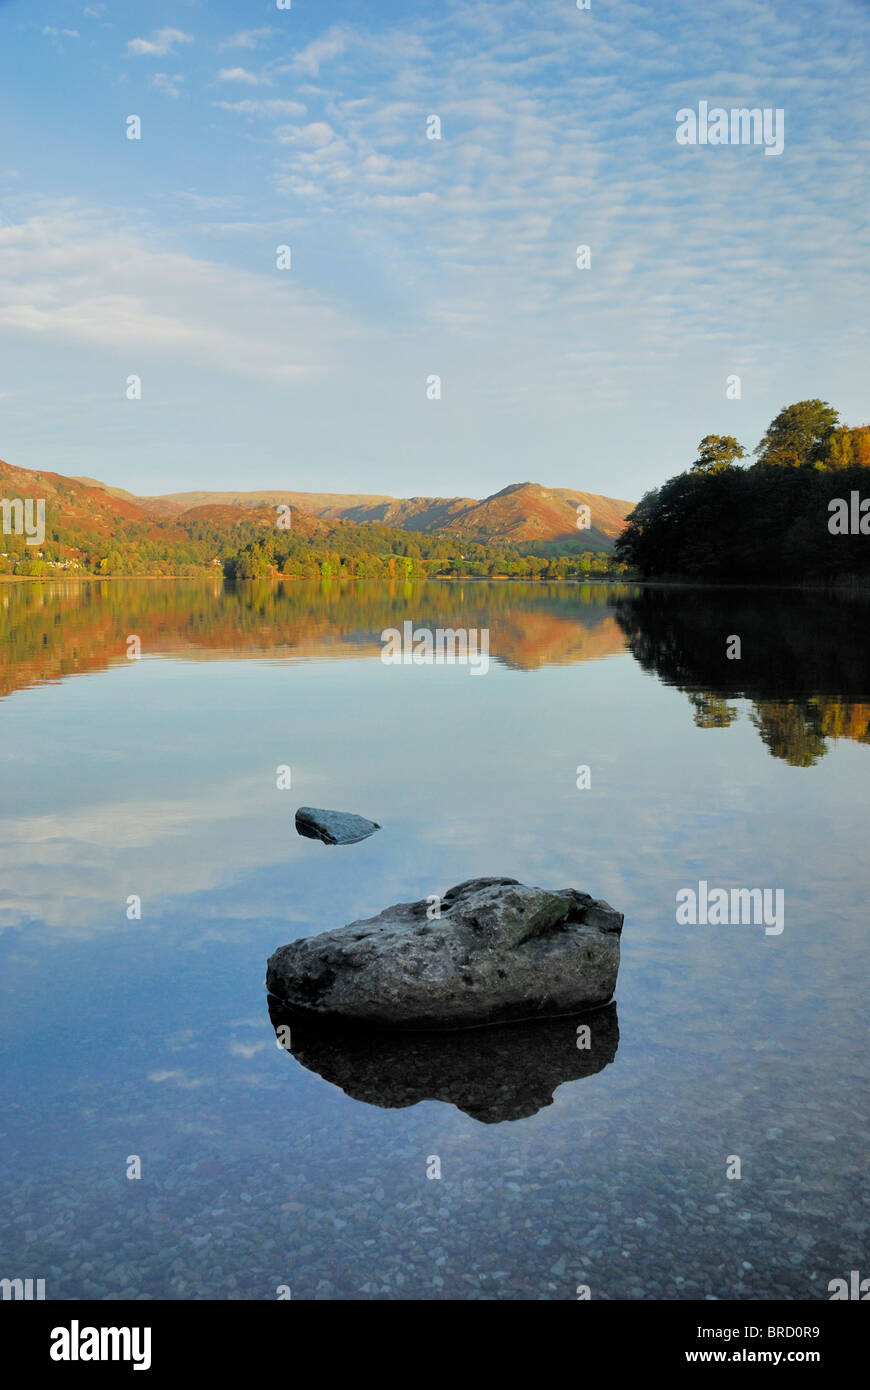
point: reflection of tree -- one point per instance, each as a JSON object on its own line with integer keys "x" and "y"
{"x": 711, "y": 711}
{"x": 791, "y": 731}
{"x": 794, "y": 730}
{"x": 48, "y": 631}
{"x": 845, "y": 721}
{"x": 803, "y": 665}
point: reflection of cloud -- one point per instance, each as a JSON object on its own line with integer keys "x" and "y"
{"x": 178, "y": 1078}
{"x": 247, "y": 1050}
{"x": 73, "y": 871}
{"x": 132, "y": 824}
{"x": 168, "y": 792}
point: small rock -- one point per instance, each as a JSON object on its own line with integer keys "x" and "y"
{"x": 333, "y": 827}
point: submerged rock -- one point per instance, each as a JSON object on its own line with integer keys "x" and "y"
{"x": 506, "y": 1072}
{"x": 333, "y": 827}
{"x": 498, "y": 952}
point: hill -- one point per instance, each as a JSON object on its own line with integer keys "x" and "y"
{"x": 522, "y": 514}
{"x": 91, "y": 527}
{"x": 526, "y": 513}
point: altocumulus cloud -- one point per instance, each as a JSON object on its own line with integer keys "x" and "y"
{"x": 161, "y": 42}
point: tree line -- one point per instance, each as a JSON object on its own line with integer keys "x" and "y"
{"x": 792, "y": 515}
{"x": 253, "y": 547}
{"x": 372, "y": 551}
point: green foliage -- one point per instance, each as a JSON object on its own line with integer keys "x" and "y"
{"x": 720, "y": 523}
{"x": 716, "y": 452}
{"x": 373, "y": 551}
{"x": 799, "y": 435}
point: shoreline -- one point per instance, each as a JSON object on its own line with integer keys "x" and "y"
{"x": 852, "y": 587}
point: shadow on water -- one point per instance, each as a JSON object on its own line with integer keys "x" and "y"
{"x": 505, "y": 1072}
{"x": 804, "y": 660}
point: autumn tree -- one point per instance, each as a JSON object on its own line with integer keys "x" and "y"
{"x": 716, "y": 452}
{"x": 799, "y": 436}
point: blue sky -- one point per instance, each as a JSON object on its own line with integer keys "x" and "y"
{"x": 412, "y": 257}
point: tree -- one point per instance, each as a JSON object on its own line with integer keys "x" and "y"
{"x": 716, "y": 452}
{"x": 799, "y": 436}
{"x": 848, "y": 448}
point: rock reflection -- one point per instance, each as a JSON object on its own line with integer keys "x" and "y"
{"x": 506, "y": 1072}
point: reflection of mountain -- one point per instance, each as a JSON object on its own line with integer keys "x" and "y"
{"x": 49, "y": 631}
{"x": 805, "y": 661}
{"x": 493, "y": 1074}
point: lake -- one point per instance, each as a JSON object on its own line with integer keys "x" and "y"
{"x": 729, "y": 1048}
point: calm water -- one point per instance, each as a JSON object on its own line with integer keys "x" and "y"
{"x": 152, "y": 1038}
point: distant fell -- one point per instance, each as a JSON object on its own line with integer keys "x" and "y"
{"x": 520, "y": 514}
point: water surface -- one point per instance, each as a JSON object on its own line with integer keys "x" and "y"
{"x": 152, "y": 1037}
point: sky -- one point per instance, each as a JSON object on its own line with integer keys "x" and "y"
{"x": 414, "y": 257}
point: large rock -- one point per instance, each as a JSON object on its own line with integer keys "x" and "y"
{"x": 333, "y": 827}
{"x": 499, "y": 951}
{"x": 506, "y": 1072}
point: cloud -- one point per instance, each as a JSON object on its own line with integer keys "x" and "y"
{"x": 558, "y": 129}
{"x": 544, "y": 146}
{"x": 309, "y": 59}
{"x": 314, "y": 136}
{"x": 66, "y": 279}
{"x": 276, "y": 107}
{"x": 55, "y": 35}
{"x": 247, "y": 38}
{"x": 238, "y": 75}
{"x": 162, "y": 82}
{"x": 161, "y": 42}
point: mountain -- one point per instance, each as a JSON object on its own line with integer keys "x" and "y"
{"x": 523, "y": 531}
{"x": 78, "y": 502}
{"x": 93, "y": 528}
{"x": 83, "y": 505}
{"x": 527, "y": 512}
{"x": 521, "y": 514}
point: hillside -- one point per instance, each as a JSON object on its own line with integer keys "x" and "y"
{"x": 75, "y": 500}
{"x": 526, "y": 512}
{"x": 522, "y": 514}
{"x": 92, "y": 528}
